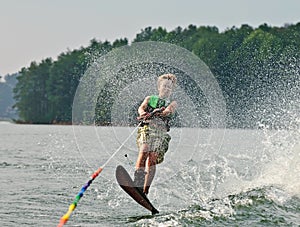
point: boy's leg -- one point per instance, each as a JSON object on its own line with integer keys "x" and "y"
{"x": 139, "y": 174}
{"x": 151, "y": 169}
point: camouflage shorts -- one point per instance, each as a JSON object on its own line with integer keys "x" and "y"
{"x": 157, "y": 140}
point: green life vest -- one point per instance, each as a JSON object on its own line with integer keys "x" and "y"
{"x": 156, "y": 102}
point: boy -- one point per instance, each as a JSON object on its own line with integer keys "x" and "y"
{"x": 153, "y": 138}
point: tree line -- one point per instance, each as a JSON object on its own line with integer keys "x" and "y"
{"x": 256, "y": 68}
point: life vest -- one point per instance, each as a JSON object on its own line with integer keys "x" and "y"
{"x": 156, "y": 102}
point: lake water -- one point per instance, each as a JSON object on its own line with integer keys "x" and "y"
{"x": 210, "y": 177}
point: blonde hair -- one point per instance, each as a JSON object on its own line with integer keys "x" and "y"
{"x": 168, "y": 76}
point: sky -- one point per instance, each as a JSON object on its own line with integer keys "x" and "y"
{"x": 32, "y": 30}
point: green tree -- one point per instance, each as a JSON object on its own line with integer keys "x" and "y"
{"x": 119, "y": 43}
{"x": 62, "y": 84}
{"x": 250, "y": 73}
{"x": 144, "y": 35}
{"x": 30, "y": 92}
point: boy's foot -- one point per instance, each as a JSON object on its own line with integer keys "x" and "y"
{"x": 139, "y": 179}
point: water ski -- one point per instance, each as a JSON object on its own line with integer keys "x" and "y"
{"x": 127, "y": 185}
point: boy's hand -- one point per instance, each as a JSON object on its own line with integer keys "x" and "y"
{"x": 144, "y": 116}
{"x": 158, "y": 111}
{"x": 147, "y": 115}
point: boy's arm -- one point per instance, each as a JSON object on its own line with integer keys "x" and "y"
{"x": 142, "y": 108}
{"x": 170, "y": 109}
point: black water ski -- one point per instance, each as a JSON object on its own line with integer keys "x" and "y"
{"x": 127, "y": 185}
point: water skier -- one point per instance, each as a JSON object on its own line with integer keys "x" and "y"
{"x": 153, "y": 138}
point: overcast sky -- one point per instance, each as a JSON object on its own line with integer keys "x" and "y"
{"x": 31, "y": 30}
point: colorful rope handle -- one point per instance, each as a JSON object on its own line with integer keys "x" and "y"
{"x": 65, "y": 218}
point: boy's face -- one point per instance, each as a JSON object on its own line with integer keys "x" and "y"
{"x": 165, "y": 88}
